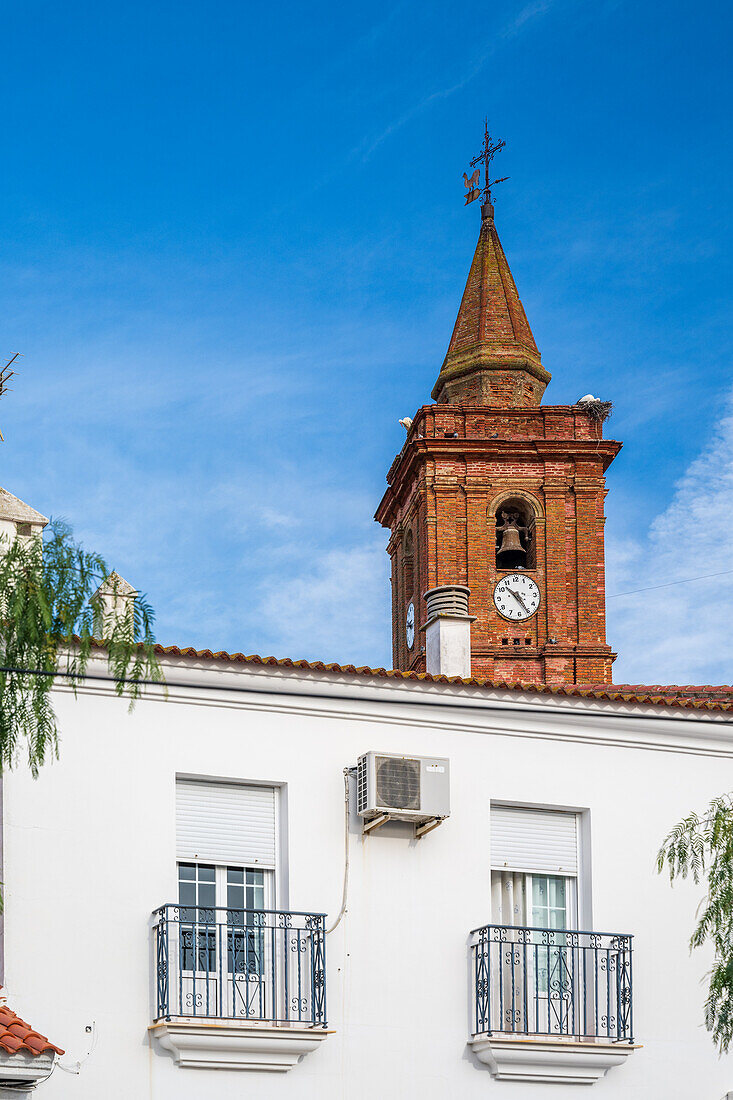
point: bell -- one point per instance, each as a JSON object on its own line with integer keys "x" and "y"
{"x": 511, "y": 554}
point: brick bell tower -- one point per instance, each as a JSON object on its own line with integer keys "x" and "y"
{"x": 501, "y": 494}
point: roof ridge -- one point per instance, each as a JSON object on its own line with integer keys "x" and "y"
{"x": 706, "y": 696}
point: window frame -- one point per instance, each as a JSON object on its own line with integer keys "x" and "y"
{"x": 280, "y": 891}
{"x": 583, "y": 901}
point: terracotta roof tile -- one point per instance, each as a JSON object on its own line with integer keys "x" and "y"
{"x": 16, "y": 1034}
{"x": 691, "y": 696}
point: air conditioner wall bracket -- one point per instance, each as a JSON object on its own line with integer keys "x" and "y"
{"x": 421, "y": 829}
{"x": 370, "y": 826}
{"x": 428, "y": 826}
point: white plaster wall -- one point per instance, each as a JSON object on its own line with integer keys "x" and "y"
{"x": 89, "y": 852}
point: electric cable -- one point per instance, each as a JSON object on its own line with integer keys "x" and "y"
{"x": 670, "y": 584}
{"x": 75, "y": 1068}
{"x": 347, "y": 774}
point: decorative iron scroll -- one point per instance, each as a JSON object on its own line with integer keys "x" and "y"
{"x": 552, "y": 982}
{"x": 263, "y": 965}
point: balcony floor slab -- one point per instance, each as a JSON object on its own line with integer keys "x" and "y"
{"x": 552, "y": 1061}
{"x": 215, "y": 1044}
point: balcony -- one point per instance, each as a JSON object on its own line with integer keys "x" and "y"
{"x": 238, "y": 989}
{"x": 551, "y": 1005}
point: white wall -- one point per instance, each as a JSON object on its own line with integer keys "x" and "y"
{"x": 90, "y": 851}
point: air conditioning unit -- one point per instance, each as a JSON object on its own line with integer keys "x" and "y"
{"x": 408, "y": 788}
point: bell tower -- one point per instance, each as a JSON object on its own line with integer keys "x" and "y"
{"x": 503, "y": 495}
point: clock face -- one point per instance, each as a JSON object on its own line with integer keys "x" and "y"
{"x": 517, "y": 597}
{"x": 410, "y": 626}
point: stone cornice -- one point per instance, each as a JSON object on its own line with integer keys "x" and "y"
{"x": 412, "y": 457}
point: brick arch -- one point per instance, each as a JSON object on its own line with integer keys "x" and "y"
{"x": 516, "y": 494}
{"x": 533, "y": 517}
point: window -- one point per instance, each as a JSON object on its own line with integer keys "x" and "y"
{"x": 534, "y": 875}
{"x": 226, "y": 848}
{"x": 534, "y": 867}
{"x": 225, "y": 950}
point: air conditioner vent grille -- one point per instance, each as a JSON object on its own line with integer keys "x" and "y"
{"x": 398, "y": 783}
{"x": 362, "y": 786}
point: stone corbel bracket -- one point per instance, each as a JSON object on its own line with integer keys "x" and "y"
{"x": 195, "y": 1044}
{"x": 554, "y": 1062}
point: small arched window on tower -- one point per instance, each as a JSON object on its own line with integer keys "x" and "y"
{"x": 515, "y": 535}
{"x": 408, "y": 567}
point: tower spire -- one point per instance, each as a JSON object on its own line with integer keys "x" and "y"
{"x": 492, "y": 357}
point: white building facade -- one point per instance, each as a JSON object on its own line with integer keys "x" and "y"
{"x": 224, "y": 801}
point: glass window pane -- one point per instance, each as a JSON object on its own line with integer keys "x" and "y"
{"x": 255, "y": 897}
{"x": 206, "y": 874}
{"x": 186, "y": 870}
{"x": 187, "y": 893}
{"x": 235, "y": 897}
{"x": 539, "y": 891}
{"x": 235, "y": 875}
{"x": 255, "y": 878}
{"x": 207, "y": 894}
{"x": 557, "y": 892}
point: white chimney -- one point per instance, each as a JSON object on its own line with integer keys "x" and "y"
{"x": 114, "y": 596}
{"x": 448, "y": 631}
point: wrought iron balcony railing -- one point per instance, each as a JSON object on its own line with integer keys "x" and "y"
{"x": 552, "y": 982}
{"x": 259, "y": 965}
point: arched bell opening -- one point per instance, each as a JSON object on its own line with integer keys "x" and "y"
{"x": 515, "y": 535}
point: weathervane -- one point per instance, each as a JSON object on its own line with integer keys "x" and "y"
{"x": 485, "y": 157}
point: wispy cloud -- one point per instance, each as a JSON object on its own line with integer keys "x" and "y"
{"x": 514, "y": 27}
{"x": 242, "y": 561}
{"x": 679, "y": 634}
{"x": 336, "y": 609}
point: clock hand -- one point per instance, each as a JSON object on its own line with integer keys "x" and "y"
{"x": 519, "y": 599}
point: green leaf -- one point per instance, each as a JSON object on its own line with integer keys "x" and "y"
{"x": 48, "y": 616}
{"x": 703, "y": 847}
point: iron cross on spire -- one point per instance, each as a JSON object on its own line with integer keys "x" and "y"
{"x": 484, "y": 158}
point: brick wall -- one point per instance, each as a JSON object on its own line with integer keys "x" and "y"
{"x": 444, "y": 487}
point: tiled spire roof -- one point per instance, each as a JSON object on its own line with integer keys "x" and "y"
{"x": 491, "y": 332}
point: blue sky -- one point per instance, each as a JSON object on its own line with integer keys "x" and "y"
{"x": 234, "y": 244}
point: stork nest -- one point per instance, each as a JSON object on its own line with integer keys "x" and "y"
{"x": 597, "y": 410}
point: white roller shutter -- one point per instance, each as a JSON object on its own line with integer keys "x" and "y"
{"x": 225, "y": 823}
{"x": 540, "y": 841}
